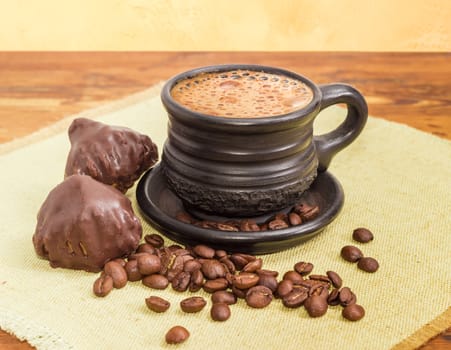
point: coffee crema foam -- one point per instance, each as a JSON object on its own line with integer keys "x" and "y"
{"x": 242, "y": 94}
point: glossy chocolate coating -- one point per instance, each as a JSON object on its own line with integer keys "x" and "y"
{"x": 110, "y": 154}
{"x": 83, "y": 223}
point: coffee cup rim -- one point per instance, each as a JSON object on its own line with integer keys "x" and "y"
{"x": 178, "y": 110}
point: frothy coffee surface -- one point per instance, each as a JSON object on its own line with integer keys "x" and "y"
{"x": 242, "y": 94}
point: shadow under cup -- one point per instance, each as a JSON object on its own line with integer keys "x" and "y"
{"x": 239, "y": 162}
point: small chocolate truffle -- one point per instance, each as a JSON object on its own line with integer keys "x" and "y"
{"x": 83, "y": 223}
{"x": 110, "y": 154}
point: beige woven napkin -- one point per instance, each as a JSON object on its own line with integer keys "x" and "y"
{"x": 397, "y": 182}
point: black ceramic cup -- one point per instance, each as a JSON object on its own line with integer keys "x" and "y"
{"x": 235, "y": 166}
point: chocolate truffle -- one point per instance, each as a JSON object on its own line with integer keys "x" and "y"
{"x": 83, "y": 223}
{"x": 110, "y": 154}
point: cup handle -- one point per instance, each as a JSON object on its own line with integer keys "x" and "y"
{"x": 327, "y": 145}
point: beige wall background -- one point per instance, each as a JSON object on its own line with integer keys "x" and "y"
{"x": 358, "y": 25}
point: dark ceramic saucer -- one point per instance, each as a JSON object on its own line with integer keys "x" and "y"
{"x": 160, "y": 205}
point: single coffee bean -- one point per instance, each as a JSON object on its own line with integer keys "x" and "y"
{"x": 240, "y": 260}
{"x": 320, "y": 278}
{"x": 335, "y": 279}
{"x": 249, "y": 226}
{"x": 193, "y": 304}
{"x": 177, "y": 335}
{"x": 320, "y": 290}
{"x": 213, "y": 269}
{"x": 295, "y": 277}
{"x": 294, "y": 219}
{"x": 220, "y": 312}
{"x": 306, "y": 211}
{"x": 333, "y": 299}
{"x": 258, "y": 297}
{"x": 245, "y": 280}
{"x": 351, "y": 253}
{"x": 303, "y": 268}
{"x": 222, "y": 296}
{"x": 181, "y": 282}
{"x": 212, "y": 286}
{"x": 155, "y": 281}
{"x": 347, "y": 297}
{"x": 157, "y": 304}
{"x": 253, "y": 266}
{"x": 103, "y": 285}
{"x": 362, "y": 235}
{"x": 277, "y": 224}
{"x": 183, "y": 216}
{"x": 239, "y": 293}
{"x": 146, "y": 248}
{"x": 220, "y": 253}
{"x": 155, "y": 240}
{"x": 368, "y": 264}
{"x": 191, "y": 266}
{"x": 228, "y": 264}
{"x": 196, "y": 281}
{"x": 131, "y": 268}
{"x": 295, "y": 298}
{"x": 174, "y": 247}
{"x": 353, "y": 312}
{"x": 204, "y": 251}
{"x": 316, "y": 306}
{"x": 268, "y": 281}
{"x": 284, "y": 288}
{"x": 263, "y": 272}
{"x": 148, "y": 264}
{"x": 117, "y": 273}
{"x": 227, "y": 227}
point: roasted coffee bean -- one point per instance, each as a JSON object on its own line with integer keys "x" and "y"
{"x": 204, "y": 251}
{"x": 316, "y": 306}
{"x": 264, "y": 272}
{"x": 245, "y": 280}
{"x": 220, "y": 253}
{"x": 131, "y": 268}
{"x": 309, "y": 284}
{"x": 120, "y": 261}
{"x": 303, "y": 268}
{"x": 241, "y": 260}
{"x": 295, "y": 298}
{"x": 253, "y": 265}
{"x": 295, "y": 277}
{"x": 148, "y": 264}
{"x": 333, "y": 299}
{"x": 284, "y": 288}
{"x": 155, "y": 281}
{"x": 220, "y": 312}
{"x": 319, "y": 290}
{"x": 347, "y": 297}
{"x": 157, "y": 304}
{"x": 229, "y": 265}
{"x": 294, "y": 219}
{"x": 368, "y": 264}
{"x": 362, "y": 235}
{"x": 321, "y": 278}
{"x": 227, "y": 227}
{"x": 196, "y": 281}
{"x": 183, "y": 216}
{"x": 351, "y": 253}
{"x": 155, "y": 240}
{"x": 213, "y": 269}
{"x": 264, "y": 227}
{"x": 193, "y": 304}
{"x": 306, "y": 211}
{"x": 335, "y": 279}
{"x": 174, "y": 247}
{"x": 191, "y": 266}
{"x": 212, "y": 286}
{"x": 177, "y": 335}
{"x": 103, "y": 285}
{"x": 181, "y": 282}
{"x": 146, "y": 248}
{"x": 222, "y": 296}
{"x": 277, "y": 224}
{"x": 268, "y": 281}
{"x": 239, "y": 293}
{"x": 229, "y": 277}
{"x": 117, "y": 273}
{"x": 249, "y": 226}
{"x": 353, "y": 312}
{"x": 258, "y": 297}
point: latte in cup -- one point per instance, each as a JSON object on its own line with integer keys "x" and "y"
{"x": 242, "y": 94}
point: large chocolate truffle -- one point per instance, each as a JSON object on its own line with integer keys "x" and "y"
{"x": 83, "y": 223}
{"x": 110, "y": 154}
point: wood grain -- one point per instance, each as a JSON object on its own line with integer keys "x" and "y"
{"x": 39, "y": 88}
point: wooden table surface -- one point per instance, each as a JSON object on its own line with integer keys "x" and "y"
{"x": 37, "y": 89}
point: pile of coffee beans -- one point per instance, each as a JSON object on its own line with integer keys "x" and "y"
{"x": 227, "y": 277}
{"x": 298, "y": 215}
{"x": 355, "y": 255}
